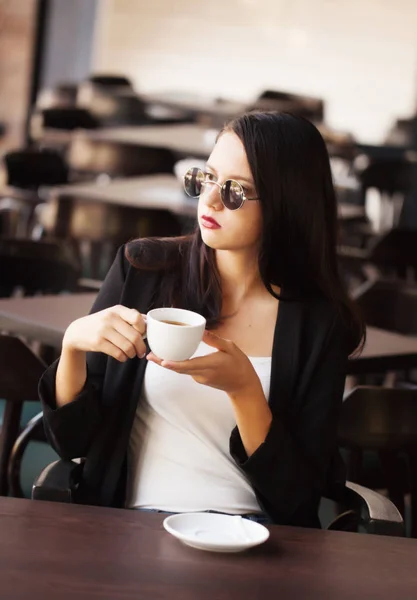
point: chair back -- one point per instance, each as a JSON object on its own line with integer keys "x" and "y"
{"x": 61, "y": 95}
{"x": 66, "y": 118}
{"x": 110, "y": 81}
{"x": 303, "y": 106}
{"x": 35, "y": 267}
{"x": 375, "y": 417}
{"x": 87, "y": 156}
{"x": 388, "y": 176}
{"x": 113, "y": 109}
{"x": 20, "y": 371}
{"x": 395, "y": 250}
{"x": 389, "y": 304}
{"x": 30, "y": 168}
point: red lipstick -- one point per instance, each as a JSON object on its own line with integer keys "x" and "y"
{"x": 209, "y": 222}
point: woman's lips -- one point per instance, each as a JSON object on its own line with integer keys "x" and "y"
{"x": 209, "y": 223}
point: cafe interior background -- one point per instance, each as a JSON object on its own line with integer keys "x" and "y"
{"x": 351, "y": 67}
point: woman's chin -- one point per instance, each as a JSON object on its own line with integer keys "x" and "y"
{"x": 212, "y": 239}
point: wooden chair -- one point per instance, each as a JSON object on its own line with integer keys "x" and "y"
{"x": 27, "y": 169}
{"x": 109, "y": 80}
{"x": 362, "y": 508}
{"x": 392, "y": 255}
{"x": 389, "y": 304}
{"x": 383, "y": 420}
{"x": 65, "y": 118}
{"x": 33, "y": 431}
{"x": 303, "y": 106}
{"x": 37, "y": 267}
{"x": 61, "y": 95}
{"x": 20, "y": 371}
{"x": 30, "y": 168}
{"x": 88, "y": 158}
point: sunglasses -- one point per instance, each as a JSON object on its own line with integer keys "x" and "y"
{"x": 232, "y": 193}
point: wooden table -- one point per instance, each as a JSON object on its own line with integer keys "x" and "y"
{"x": 385, "y": 351}
{"x": 160, "y": 192}
{"x": 200, "y": 106}
{"x": 183, "y": 139}
{"x": 43, "y": 318}
{"x": 46, "y": 318}
{"x": 14, "y": 193}
{"x": 58, "y": 551}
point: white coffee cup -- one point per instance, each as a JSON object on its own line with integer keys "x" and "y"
{"x": 170, "y": 341}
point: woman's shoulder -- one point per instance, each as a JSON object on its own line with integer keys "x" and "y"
{"x": 155, "y": 254}
{"x": 332, "y": 320}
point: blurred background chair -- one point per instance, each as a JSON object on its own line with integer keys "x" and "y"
{"x": 392, "y": 179}
{"x": 88, "y": 158}
{"x": 383, "y": 421}
{"x": 30, "y": 267}
{"x": 391, "y": 255}
{"x": 97, "y": 229}
{"x": 363, "y": 509}
{"x": 61, "y": 95}
{"x": 28, "y": 170}
{"x": 303, "y": 106}
{"x": 65, "y": 118}
{"x": 111, "y": 109}
{"x": 110, "y": 80}
{"x": 20, "y": 370}
{"x": 389, "y": 304}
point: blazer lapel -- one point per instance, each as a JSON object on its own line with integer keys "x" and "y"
{"x": 285, "y": 354}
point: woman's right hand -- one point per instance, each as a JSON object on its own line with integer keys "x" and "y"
{"x": 116, "y": 331}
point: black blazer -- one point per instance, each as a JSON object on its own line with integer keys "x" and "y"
{"x": 288, "y": 472}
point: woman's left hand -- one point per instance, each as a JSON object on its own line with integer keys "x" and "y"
{"x": 229, "y": 369}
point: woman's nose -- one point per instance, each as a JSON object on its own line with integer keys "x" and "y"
{"x": 211, "y": 196}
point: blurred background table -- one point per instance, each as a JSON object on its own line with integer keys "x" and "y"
{"x": 45, "y": 319}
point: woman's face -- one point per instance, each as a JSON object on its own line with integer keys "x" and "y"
{"x": 238, "y": 229}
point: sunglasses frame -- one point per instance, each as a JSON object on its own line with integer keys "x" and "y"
{"x": 221, "y": 186}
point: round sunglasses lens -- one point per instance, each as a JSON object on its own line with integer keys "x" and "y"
{"x": 232, "y": 194}
{"x": 193, "y": 182}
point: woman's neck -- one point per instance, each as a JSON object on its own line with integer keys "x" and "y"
{"x": 239, "y": 276}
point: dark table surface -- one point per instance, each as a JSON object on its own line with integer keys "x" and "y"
{"x": 157, "y": 192}
{"x": 185, "y": 139}
{"x": 160, "y": 192}
{"x": 53, "y": 550}
{"x": 45, "y": 319}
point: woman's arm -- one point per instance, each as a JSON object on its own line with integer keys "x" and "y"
{"x": 289, "y": 469}
{"x": 71, "y": 426}
{"x": 253, "y": 417}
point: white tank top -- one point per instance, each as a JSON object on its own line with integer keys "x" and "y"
{"x": 179, "y": 458}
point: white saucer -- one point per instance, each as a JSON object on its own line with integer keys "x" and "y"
{"x": 216, "y": 533}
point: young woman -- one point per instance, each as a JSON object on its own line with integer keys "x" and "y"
{"x": 248, "y": 425}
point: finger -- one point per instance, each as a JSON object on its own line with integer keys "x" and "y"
{"x": 153, "y": 358}
{"x": 121, "y": 342}
{"x": 213, "y": 340}
{"x": 179, "y": 367}
{"x": 131, "y": 316}
{"x": 114, "y": 351}
{"x": 132, "y": 335}
{"x": 193, "y": 365}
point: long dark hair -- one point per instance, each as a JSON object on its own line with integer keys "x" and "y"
{"x": 291, "y": 170}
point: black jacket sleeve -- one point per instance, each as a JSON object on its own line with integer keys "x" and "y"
{"x": 290, "y": 469}
{"x": 71, "y": 428}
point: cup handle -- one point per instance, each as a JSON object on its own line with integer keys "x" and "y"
{"x": 144, "y": 317}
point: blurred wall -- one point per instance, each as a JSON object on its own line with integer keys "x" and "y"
{"x": 69, "y": 38}
{"x": 17, "y": 29}
{"x": 359, "y": 55}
